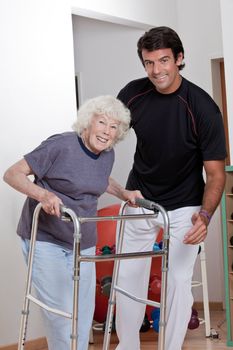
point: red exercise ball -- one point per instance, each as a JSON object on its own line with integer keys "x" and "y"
{"x": 155, "y": 284}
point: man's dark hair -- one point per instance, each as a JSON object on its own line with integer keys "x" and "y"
{"x": 161, "y": 38}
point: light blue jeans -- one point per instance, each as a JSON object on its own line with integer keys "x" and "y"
{"x": 53, "y": 284}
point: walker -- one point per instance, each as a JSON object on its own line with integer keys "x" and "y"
{"x": 69, "y": 215}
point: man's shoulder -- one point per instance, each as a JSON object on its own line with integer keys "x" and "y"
{"x": 135, "y": 88}
{"x": 138, "y": 83}
{"x": 192, "y": 89}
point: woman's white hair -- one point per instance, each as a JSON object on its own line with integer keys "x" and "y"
{"x": 108, "y": 106}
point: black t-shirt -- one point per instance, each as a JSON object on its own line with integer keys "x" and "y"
{"x": 175, "y": 133}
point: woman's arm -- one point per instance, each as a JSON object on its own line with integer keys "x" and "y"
{"x": 120, "y": 192}
{"x": 17, "y": 177}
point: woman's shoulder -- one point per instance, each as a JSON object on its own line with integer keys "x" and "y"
{"x": 64, "y": 136}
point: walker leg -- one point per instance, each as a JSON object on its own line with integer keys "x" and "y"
{"x": 205, "y": 290}
{"x": 112, "y": 297}
{"x": 23, "y": 324}
{"x": 162, "y": 320}
{"x": 91, "y": 339}
{"x": 76, "y": 279}
{"x": 25, "y": 311}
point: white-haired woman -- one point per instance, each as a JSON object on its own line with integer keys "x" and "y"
{"x": 73, "y": 169}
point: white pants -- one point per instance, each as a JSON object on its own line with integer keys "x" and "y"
{"x": 140, "y": 235}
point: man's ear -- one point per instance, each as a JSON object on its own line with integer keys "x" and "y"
{"x": 179, "y": 59}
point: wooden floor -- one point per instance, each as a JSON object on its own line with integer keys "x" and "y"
{"x": 195, "y": 339}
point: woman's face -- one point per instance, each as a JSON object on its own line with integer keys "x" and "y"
{"x": 101, "y": 133}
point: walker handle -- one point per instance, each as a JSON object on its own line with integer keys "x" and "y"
{"x": 145, "y": 203}
{"x": 64, "y": 215}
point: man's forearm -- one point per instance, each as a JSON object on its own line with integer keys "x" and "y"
{"x": 213, "y": 193}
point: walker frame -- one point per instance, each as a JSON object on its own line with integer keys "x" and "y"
{"x": 69, "y": 215}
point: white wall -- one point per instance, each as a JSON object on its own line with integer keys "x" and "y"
{"x": 37, "y": 100}
{"x": 146, "y": 12}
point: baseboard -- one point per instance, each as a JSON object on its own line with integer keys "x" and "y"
{"x": 214, "y": 306}
{"x": 36, "y": 344}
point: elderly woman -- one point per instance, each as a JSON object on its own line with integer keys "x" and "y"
{"x": 73, "y": 169}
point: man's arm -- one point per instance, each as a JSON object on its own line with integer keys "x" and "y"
{"x": 120, "y": 192}
{"x": 215, "y": 182}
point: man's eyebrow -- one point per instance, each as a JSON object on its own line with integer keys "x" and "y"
{"x": 161, "y": 58}
{"x": 147, "y": 60}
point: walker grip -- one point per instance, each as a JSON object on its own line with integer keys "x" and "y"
{"x": 64, "y": 215}
{"x": 145, "y": 203}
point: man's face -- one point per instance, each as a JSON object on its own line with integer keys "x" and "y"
{"x": 162, "y": 70}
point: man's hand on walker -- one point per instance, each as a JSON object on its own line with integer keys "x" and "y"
{"x": 130, "y": 197}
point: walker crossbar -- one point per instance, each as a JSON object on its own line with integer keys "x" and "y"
{"x": 122, "y": 256}
{"x": 139, "y": 300}
{"x": 69, "y": 215}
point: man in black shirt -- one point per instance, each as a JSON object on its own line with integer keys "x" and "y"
{"x": 179, "y": 131}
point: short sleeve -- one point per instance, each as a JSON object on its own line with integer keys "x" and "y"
{"x": 42, "y": 158}
{"x": 212, "y": 136}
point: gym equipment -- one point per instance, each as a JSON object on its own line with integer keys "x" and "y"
{"x": 194, "y": 312}
{"x": 106, "y": 250}
{"x": 113, "y": 249}
{"x": 155, "y": 316}
{"x": 98, "y": 251}
{"x": 145, "y": 325}
{"x": 69, "y": 215}
{"x": 231, "y": 240}
{"x": 194, "y": 322}
{"x": 156, "y": 247}
{"x": 155, "y": 284}
{"x": 106, "y": 285}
